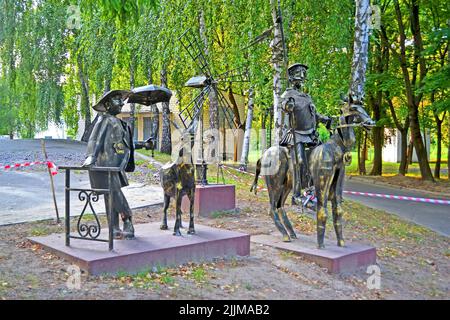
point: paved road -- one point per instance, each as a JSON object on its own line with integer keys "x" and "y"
{"x": 52, "y": 145}
{"x": 25, "y": 194}
{"x": 433, "y": 216}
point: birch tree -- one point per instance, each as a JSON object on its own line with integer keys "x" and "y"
{"x": 277, "y": 62}
{"x": 248, "y": 129}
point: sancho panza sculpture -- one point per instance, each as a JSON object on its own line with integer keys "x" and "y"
{"x": 111, "y": 145}
{"x": 303, "y": 118}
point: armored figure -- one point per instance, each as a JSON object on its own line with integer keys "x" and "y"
{"x": 111, "y": 145}
{"x": 303, "y": 121}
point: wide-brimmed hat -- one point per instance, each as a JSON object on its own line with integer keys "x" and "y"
{"x": 100, "y": 106}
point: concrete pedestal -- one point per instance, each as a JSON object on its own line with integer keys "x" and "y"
{"x": 151, "y": 248}
{"x": 211, "y": 198}
{"x": 335, "y": 259}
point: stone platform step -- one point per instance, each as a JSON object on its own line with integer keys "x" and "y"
{"x": 151, "y": 248}
{"x": 335, "y": 259}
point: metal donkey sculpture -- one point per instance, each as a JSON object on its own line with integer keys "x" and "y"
{"x": 178, "y": 180}
{"x": 327, "y": 169}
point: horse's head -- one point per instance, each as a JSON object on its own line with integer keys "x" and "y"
{"x": 354, "y": 113}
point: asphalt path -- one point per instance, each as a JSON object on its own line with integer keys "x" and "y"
{"x": 433, "y": 216}
{"x": 26, "y": 196}
{"x": 25, "y": 193}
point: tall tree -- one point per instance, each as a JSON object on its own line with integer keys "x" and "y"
{"x": 248, "y": 129}
{"x": 413, "y": 78}
{"x": 277, "y": 63}
{"x": 166, "y": 142}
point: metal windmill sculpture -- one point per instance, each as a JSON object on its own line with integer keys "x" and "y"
{"x": 207, "y": 83}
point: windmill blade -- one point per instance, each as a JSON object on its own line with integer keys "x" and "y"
{"x": 193, "y": 108}
{"x": 225, "y": 110}
{"x": 263, "y": 36}
{"x": 234, "y": 75}
{"x": 196, "y": 50}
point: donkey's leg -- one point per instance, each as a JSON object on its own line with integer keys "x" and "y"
{"x": 166, "y": 206}
{"x": 336, "y": 199}
{"x": 322, "y": 210}
{"x": 176, "y": 229}
{"x": 191, "y": 196}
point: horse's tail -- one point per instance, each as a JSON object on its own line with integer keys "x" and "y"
{"x": 254, "y": 186}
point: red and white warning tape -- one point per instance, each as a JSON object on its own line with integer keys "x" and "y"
{"x": 407, "y": 198}
{"x": 368, "y": 194}
{"x": 53, "y": 168}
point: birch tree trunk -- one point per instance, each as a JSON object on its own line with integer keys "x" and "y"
{"x": 277, "y": 61}
{"x": 154, "y": 110}
{"x": 166, "y": 141}
{"x": 248, "y": 129}
{"x": 132, "y": 106}
{"x": 85, "y": 105}
{"x": 360, "y": 50}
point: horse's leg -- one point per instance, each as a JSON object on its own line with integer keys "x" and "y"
{"x": 336, "y": 199}
{"x": 191, "y": 196}
{"x": 274, "y": 196}
{"x": 322, "y": 210}
{"x": 276, "y": 218}
{"x": 286, "y": 222}
{"x": 254, "y": 187}
{"x": 166, "y": 206}
{"x": 176, "y": 229}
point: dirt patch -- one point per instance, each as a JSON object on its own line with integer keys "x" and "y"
{"x": 414, "y": 264}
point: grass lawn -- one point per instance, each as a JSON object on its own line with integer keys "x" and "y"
{"x": 159, "y": 156}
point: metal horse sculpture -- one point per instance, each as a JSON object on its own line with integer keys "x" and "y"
{"x": 277, "y": 169}
{"x": 327, "y": 167}
{"x": 177, "y": 180}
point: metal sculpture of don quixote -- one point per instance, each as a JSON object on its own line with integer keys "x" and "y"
{"x": 321, "y": 170}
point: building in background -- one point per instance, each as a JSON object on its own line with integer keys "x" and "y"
{"x": 392, "y": 147}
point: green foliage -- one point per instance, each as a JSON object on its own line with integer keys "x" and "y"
{"x": 42, "y": 60}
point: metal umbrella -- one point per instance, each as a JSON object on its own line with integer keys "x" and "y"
{"x": 148, "y": 95}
